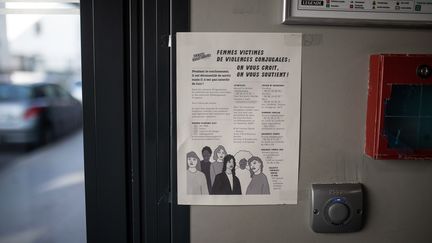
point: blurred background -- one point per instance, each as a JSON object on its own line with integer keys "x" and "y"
{"x": 41, "y": 144}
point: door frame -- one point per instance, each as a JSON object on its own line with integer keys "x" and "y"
{"x": 128, "y": 73}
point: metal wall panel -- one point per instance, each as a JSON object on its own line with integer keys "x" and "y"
{"x": 334, "y": 96}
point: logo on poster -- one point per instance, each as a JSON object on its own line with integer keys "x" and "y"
{"x": 199, "y": 56}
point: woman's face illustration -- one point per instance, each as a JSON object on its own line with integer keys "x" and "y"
{"x": 192, "y": 162}
{"x": 230, "y": 164}
{"x": 255, "y": 166}
{"x": 221, "y": 154}
{"x": 206, "y": 155}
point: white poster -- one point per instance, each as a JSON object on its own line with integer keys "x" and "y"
{"x": 238, "y": 118}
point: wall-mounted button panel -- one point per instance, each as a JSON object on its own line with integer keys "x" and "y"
{"x": 337, "y": 208}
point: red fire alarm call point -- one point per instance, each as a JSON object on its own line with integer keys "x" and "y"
{"x": 399, "y": 110}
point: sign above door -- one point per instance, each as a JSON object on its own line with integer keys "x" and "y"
{"x": 408, "y": 13}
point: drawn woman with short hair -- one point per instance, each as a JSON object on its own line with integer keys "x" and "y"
{"x": 227, "y": 183}
{"x": 242, "y": 169}
{"x": 258, "y": 183}
{"x": 206, "y": 164}
{"x": 216, "y": 167}
{"x": 195, "y": 179}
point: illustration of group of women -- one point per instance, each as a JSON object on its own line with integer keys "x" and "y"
{"x": 221, "y": 176}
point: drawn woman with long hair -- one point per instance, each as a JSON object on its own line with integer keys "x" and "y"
{"x": 258, "y": 183}
{"x": 195, "y": 179}
{"x": 216, "y": 167}
{"x": 227, "y": 183}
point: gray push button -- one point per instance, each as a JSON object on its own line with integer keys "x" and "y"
{"x": 337, "y": 208}
{"x": 338, "y": 213}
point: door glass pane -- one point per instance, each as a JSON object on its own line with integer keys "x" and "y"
{"x": 41, "y": 141}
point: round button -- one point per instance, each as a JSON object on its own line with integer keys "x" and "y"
{"x": 338, "y": 213}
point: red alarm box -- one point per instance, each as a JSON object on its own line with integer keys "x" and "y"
{"x": 399, "y": 111}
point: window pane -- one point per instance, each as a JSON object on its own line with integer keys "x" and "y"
{"x": 41, "y": 142}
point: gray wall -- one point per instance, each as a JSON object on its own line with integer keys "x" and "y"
{"x": 334, "y": 96}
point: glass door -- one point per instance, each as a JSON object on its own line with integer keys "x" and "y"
{"x": 41, "y": 137}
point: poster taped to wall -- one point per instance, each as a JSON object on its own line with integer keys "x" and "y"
{"x": 238, "y": 118}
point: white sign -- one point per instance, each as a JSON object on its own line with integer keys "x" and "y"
{"x": 238, "y": 118}
{"x": 389, "y": 11}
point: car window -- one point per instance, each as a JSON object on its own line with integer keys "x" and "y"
{"x": 38, "y": 92}
{"x": 44, "y": 91}
{"x": 14, "y": 92}
{"x": 61, "y": 93}
{"x": 50, "y": 91}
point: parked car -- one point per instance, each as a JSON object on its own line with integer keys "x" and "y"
{"x": 37, "y": 113}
